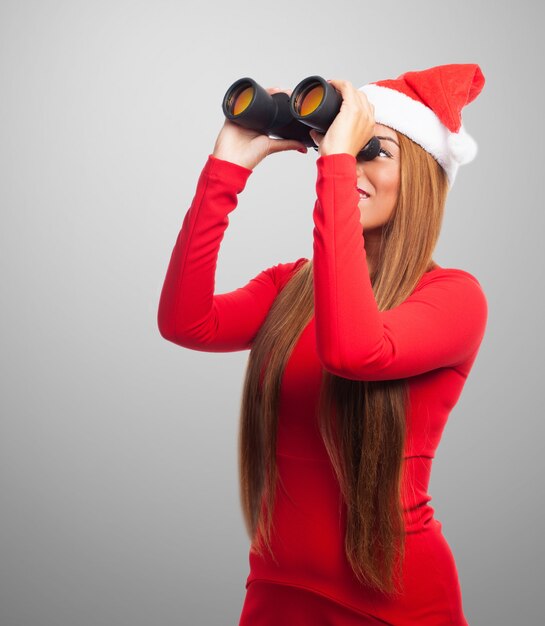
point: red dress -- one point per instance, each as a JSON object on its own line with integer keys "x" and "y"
{"x": 432, "y": 338}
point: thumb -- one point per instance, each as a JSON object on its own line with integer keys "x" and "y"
{"x": 316, "y": 136}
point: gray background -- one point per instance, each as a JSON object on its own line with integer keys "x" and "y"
{"x": 118, "y": 476}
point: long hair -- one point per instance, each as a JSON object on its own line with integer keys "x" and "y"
{"x": 365, "y": 441}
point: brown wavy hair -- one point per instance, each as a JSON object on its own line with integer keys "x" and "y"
{"x": 365, "y": 441}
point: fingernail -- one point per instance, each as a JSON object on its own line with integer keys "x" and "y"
{"x": 303, "y": 150}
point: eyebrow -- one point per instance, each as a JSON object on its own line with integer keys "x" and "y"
{"x": 388, "y": 139}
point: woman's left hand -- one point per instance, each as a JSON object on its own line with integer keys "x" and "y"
{"x": 354, "y": 125}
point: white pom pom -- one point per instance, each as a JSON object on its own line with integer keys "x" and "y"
{"x": 462, "y": 146}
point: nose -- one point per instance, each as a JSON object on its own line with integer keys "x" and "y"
{"x": 361, "y": 167}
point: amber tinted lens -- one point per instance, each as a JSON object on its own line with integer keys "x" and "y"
{"x": 311, "y": 100}
{"x": 242, "y": 100}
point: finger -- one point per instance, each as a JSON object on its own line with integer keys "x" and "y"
{"x": 365, "y": 99}
{"x": 369, "y": 106}
{"x": 279, "y": 90}
{"x": 345, "y": 87}
{"x": 280, "y": 145}
{"x": 316, "y": 136}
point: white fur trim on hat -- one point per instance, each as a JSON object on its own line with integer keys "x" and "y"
{"x": 462, "y": 146}
{"x": 418, "y": 122}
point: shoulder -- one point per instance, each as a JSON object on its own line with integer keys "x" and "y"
{"x": 281, "y": 273}
{"x": 458, "y": 287}
{"x": 449, "y": 274}
{"x": 285, "y": 271}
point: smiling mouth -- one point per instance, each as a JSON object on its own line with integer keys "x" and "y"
{"x": 363, "y": 194}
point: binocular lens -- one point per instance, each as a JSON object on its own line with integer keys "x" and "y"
{"x": 310, "y": 100}
{"x": 241, "y": 100}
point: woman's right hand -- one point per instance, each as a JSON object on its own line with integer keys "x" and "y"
{"x": 247, "y": 147}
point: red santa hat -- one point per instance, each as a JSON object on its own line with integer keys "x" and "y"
{"x": 426, "y": 106}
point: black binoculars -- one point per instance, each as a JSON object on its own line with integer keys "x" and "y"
{"x": 314, "y": 103}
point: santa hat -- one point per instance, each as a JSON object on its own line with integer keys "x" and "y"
{"x": 426, "y": 106}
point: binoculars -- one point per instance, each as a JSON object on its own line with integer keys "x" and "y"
{"x": 314, "y": 103}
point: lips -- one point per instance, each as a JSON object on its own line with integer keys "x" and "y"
{"x": 362, "y": 192}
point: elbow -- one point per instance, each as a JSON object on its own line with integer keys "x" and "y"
{"x": 337, "y": 366}
{"x": 166, "y": 324}
{"x": 177, "y": 339}
{"x": 167, "y": 332}
{"x": 171, "y": 327}
{"x": 361, "y": 372}
{"x": 338, "y": 369}
{"x": 345, "y": 366}
{"x": 354, "y": 360}
{"x": 190, "y": 338}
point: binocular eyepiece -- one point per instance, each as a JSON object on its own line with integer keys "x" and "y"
{"x": 314, "y": 103}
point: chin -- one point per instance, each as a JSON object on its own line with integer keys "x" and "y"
{"x": 371, "y": 227}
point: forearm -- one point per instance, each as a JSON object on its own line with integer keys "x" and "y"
{"x": 440, "y": 324}
{"x": 186, "y": 301}
{"x": 346, "y": 312}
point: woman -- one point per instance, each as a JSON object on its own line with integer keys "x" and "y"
{"x": 356, "y": 358}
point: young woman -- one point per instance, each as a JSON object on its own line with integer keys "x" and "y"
{"x": 357, "y": 356}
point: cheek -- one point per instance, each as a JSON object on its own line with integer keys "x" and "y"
{"x": 389, "y": 186}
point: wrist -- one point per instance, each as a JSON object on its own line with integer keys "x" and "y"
{"x": 337, "y": 153}
{"x": 226, "y": 173}
{"x": 233, "y": 160}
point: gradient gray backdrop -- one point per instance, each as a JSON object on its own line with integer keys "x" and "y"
{"x": 118, "y": 467}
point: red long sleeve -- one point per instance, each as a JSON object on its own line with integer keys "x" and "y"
{"x": 441, "y": 324}
{"x": 189, "y": 314}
